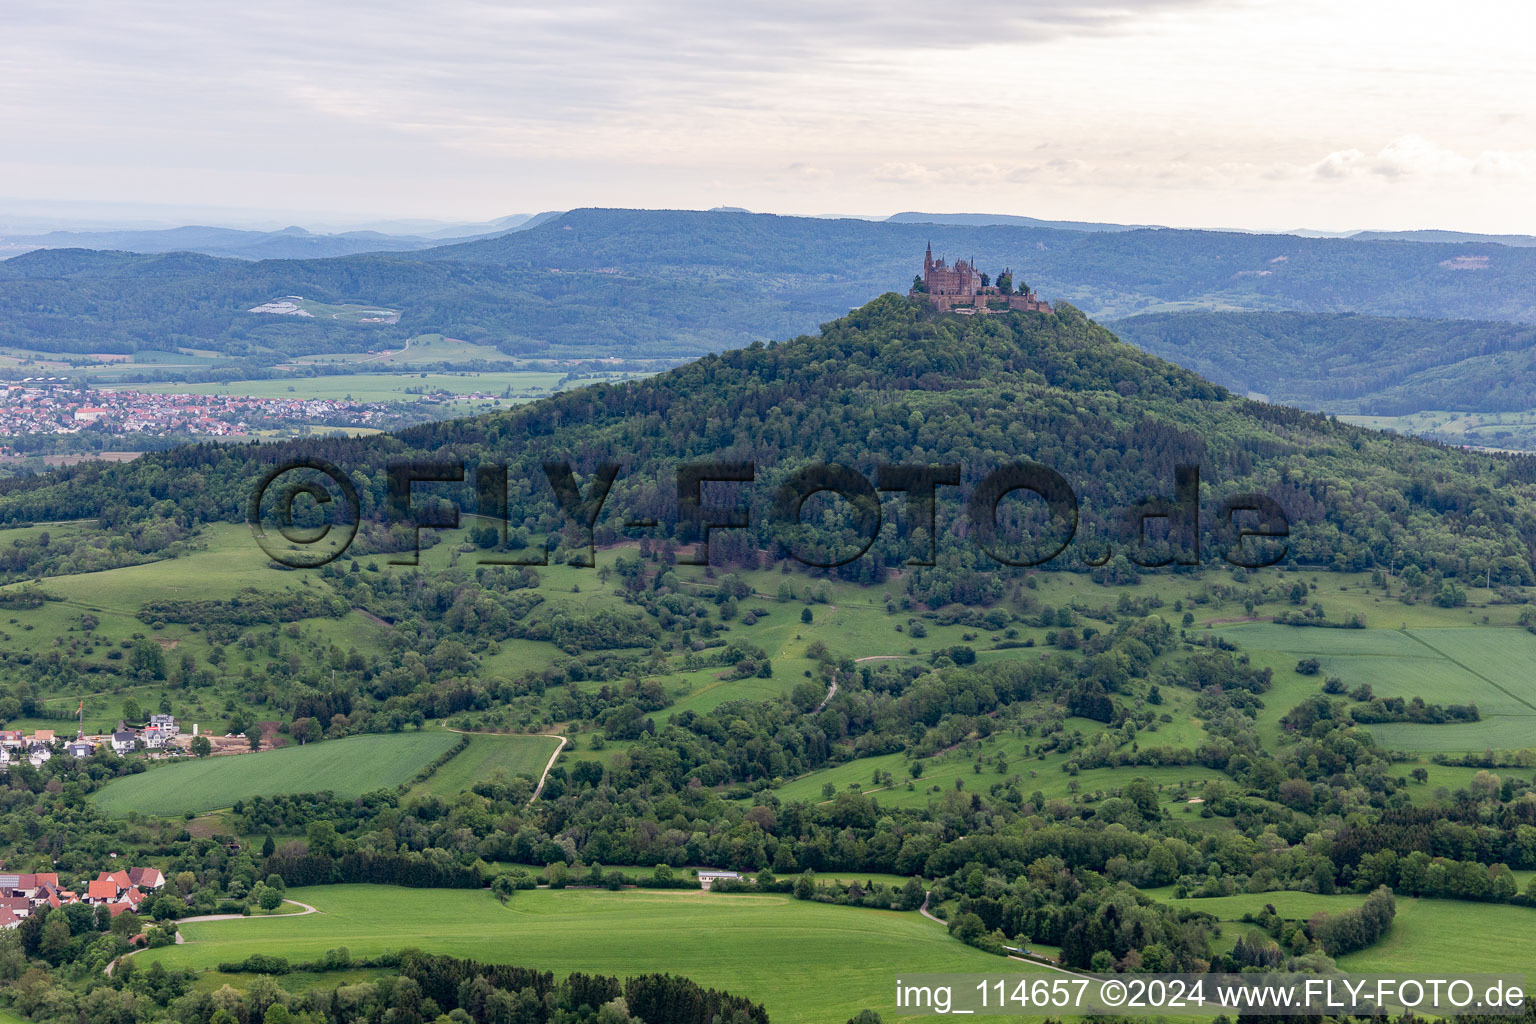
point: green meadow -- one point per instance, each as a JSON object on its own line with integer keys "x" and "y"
{"x": 1427, "y": 935}
{"x": 346, "y": 767}
{"x": 808, "y": 963}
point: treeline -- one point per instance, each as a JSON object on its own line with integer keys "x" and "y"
{"x": 1395, "y": 709}
{"x": 251, "y": 607}
{"x": 487, "y": 991}
{"x": 300, "y": 865}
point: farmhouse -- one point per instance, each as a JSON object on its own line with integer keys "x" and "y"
{"x": 27, "y": 885}
{"x": 123, "y": 889}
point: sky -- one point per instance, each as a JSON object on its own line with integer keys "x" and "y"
{"x": 1324, "y": 114}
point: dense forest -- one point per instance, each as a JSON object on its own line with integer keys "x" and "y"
{"x": 677, "y": 283}
{"x": 1345, "y": 363}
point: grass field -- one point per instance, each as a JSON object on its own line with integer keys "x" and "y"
{"x": 346, "y": 767}
{"x": 809, "y": 963}
{"x": 1426, "y": 936}
{"x": 1482, "y": 665}
{"x": 1430, "y": 935}
{"x": 487, "y": 758}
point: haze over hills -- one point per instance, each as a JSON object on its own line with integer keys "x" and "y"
{"x": 979, "y": 219}
{"x": 245, "y": 244}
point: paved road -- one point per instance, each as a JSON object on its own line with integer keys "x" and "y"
{"x": 181, "y": 940}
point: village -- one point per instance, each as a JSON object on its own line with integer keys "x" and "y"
{"x": 160, "y": 737}
{"x": 115, "y": 891}
{"x": 50, "y": 406}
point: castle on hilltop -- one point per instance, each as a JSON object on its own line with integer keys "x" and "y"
{"x": 963, "y": 289}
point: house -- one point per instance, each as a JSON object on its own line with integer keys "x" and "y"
{"x": 27, "y": 885}
{"x": 80, "y": 748}
{"x": 124, "y": 740}
{"x": 12, "y": 739}
{"x": 43, "y": 736}
{"x": 37, "y": 753}
{"x": 55, "y": 897}
{"x": 13, "y": 910}
{"x": 708, "y": 878}
{"x": 146, "y": 878}
{"x": 166, "y": 724}
{"x": 103, "y": 890}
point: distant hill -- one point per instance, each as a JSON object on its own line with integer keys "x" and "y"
{"x": 979, "y": 219}
{"x": 668, "y": 284}
{"x": 1344, "y": 363}
{"x": 1442, "y": 236}
{"x": 894, "y": 382}
{"x": 289, "y": 243}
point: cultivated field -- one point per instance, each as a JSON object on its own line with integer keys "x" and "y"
{"x": 346, "y": 767}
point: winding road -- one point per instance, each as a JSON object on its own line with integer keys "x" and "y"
{"x": 181, "y": 940}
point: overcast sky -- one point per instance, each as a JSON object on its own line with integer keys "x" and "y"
{"x": 1328, "y": 114}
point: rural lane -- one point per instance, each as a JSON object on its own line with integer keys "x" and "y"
{"x": 547, "y": 767}
{"x": 214, "y": 917}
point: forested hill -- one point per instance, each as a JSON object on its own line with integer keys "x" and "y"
{"x": 893, "y": 382}
{"x": 1341, "y": 363}
{"x": 678, "y": 283}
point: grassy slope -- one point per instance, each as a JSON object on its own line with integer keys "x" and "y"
{"x": 809, "y": 963}
{"x": 486, "y": 758}
{"x": 346, "y": 767}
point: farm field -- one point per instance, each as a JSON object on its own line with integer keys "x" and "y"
{"x": 379, "y": 387}
{"x": 809, "y": 963}
{"x": 1511, "y": 431}
{"x": 346, "y": 767}
{"x": 490, "y": 757}
{"x": 424, "y": 348}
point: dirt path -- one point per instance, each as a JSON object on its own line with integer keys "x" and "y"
{"x": 181, "y": 939}
{"x": 881, "y": 657}
{"x": 831, "y": 692}
{"x": 386, "y": 354}
{"x": 547, "y": 767}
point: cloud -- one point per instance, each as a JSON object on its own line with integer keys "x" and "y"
{"x": 1413, "y": 156}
